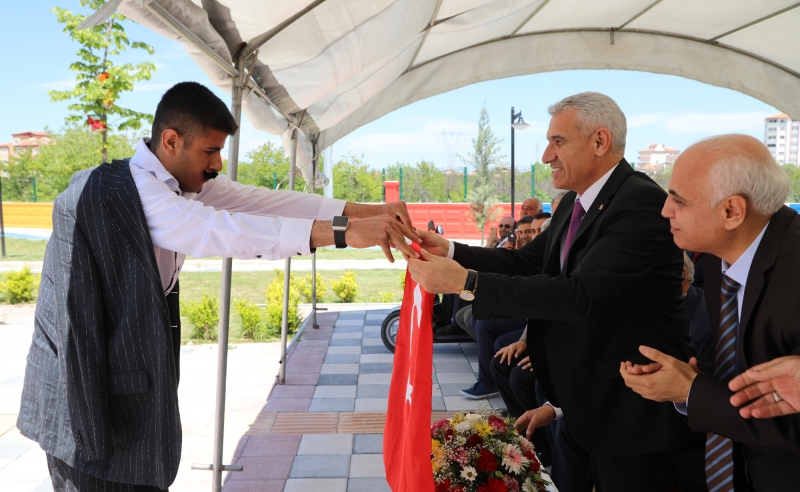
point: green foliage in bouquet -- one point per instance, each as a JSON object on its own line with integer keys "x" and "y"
{"x": 480, "y": 452}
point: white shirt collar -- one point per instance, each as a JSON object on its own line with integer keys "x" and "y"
{"x": 145, "y": 159}
{"x": 741, "y": 267}
{"x": 590, "y": 195}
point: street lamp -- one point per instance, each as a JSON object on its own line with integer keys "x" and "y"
{"x": 517, "y": 123}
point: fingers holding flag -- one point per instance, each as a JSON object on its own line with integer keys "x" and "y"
{"x": 437, "y": 274}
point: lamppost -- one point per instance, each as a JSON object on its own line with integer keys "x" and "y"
{"x": 517, "y": 123}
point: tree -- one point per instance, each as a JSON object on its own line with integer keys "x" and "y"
{"x": 355, "y": 182}
{"x": 269, "y": 163}
{"x": 99, "y": 82}
{"x": 483, "y": 158}
{"x": 793, "y": 170}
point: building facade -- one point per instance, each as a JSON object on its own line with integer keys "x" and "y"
{"x": 781, "y": 136}
{"x": 21, "y": 143}
{"x": 657, "y": 158}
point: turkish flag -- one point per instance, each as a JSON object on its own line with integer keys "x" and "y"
{"x": 407, "y": 434}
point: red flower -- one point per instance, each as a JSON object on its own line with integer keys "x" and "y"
{"x": 497, "y": 424}
{"x": 448, "y": 435}
{"x": 474, "y": 440}
{"x": 494, "y": 485}
{"x": 534, "y": 464}
{"x": 487, "y": 462}
{"x": 443, "y": 486}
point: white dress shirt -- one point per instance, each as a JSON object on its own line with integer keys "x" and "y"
{"x": 225, "y": 218}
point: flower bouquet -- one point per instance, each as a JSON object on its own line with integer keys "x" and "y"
{"x": 480, "y": 452}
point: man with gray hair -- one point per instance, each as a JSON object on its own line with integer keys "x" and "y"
{"x": 726, "y": 198}
{"x": 605, "y": 279}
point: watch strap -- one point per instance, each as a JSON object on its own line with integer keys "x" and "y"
{"x": 338, "y": 239}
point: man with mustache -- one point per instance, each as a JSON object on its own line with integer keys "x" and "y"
{"x": 100, "y": 394}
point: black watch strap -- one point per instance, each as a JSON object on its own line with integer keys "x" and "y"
{"x": 472, "y": 279}
{"x": 339, "y": 225}
{"x": 338, "y": 239}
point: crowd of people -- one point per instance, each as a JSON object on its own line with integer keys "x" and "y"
{"x": 650, "y": 334}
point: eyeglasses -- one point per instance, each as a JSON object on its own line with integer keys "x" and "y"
{"x": 504, "y": 226}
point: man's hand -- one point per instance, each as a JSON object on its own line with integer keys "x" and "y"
{"x": 383, "y": 231}
{"x": 668, "y": 379}
{"x": 509, "y": 352}
{"x": 532, "y": 419}
{"x": 433, "y": 243}
{"x": 437, "y": 275}
{"x": 759, "y": 384}
{"x": 396, "y": 210}
{"x": 525, "y": 364}
{"x": 509, "y": 245}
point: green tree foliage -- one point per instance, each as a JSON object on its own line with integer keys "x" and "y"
{"x": 346, "y": 288}
{"x": 793, "y": 170}
{"x": 203, "y": 316}
{"x": 268, "y": 163}
{"x": 354, "y": 181}
{"x": 99, "y": 81}
{"x": 424, "y": 182}
{"x": 20, "y": 286}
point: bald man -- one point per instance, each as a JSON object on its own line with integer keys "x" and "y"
{"x": 530, "y": 207}
{"x": 726, "y": 199}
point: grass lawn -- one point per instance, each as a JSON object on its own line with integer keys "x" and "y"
{"x": 24, "y": 249}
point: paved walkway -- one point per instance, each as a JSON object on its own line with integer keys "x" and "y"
{"x": 322, "y": 431}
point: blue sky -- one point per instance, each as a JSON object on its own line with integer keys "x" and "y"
{"x": 660, "y": 108}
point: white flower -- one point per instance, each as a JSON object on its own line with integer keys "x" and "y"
{"x": 461, "y": 440}
{"x": 474, "y": 418}
{"x": 528, "y": 486}
{"x": 513, "y": 458}
{"x": 463, "y": 426}
{"x": 469, "y": 473}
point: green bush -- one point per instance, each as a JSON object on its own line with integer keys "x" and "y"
{"x": 204, "y": 317}
{"x": 273, "y": 318}
{"x": 403, "y": 280}
{"x": 385, "y": 296}
{"x": 346, "y": 288}
{"x": 304, "y": 286}
{"x": 252, "y": 319}
{"x": 20, "y": 286}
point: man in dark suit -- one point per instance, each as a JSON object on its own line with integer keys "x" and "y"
{"x": 726, "y": 199}
{"x": 605, "y": 276}
{"x": 100, "y": 393}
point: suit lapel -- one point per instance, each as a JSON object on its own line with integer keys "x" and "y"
{"x": 124, "y": 207}
{"x": 556, "y": 229}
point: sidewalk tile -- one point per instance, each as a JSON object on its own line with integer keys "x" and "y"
{"x": 372, "y": 342}
{"x": 303, "y": 349}
{"x": 316, "y": 485}
{"x": 372, "y": 334}
{"x": 455, "y": 377}
{"x": 254, "y": 468}
{"x": 339, "y": 369}
{"x": 376, "y": 358}
{"x": 449, "y": 357}
{"x": 344, "y": 350}
{"x": 437, "y": 404}
{"x": 293, "y": 378}
{"x": 373, "y": 391}
{"x": 372, "y": 329}
{"x": 345, "y": 336}
{"x": 371, "y": 316}
{"x": 345, "y": 342}
{"x": 376, "y": 368}
{"x": 342, "y": 359}
{"x": 332, "y": 405}
{"x": 337, "y": 379}
{"x": 367, "y": 466}
{"x": 317, "y": 466}
{"x": 251, "y": 486}
{"x": 324, "y": 444}
{"x": 13, "y": 449}
{"x": 298, "y": 368}
{"x": 374, "y": 379}
{"x": 453, "y": 389}
{"x": 368, "y": 444}
{"x": 447, "y": 348}
{"x": 296, "y": 391}
{"x": 348, "y": 391}
{"x": 348, "y": 329}
{"x": 368, "y": 485}
{"x": 288, "y": 405}
{"x": 306, "y": 358}
{"x": 372, "y": 404}
{"x": 375, "y": 349}
{"x": 273, "y": 445}
{"x": 444, "y": 367}
{"x": 457, "y": 403}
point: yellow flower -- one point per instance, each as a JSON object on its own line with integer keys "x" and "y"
{"x": 457, "y": 419}
{"x": 484, "y": 429}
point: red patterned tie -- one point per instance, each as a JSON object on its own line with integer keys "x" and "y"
{"x": 719, "y": 450}
{"x": 577, "y": 215}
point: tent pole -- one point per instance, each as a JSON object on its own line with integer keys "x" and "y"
{"x": 225, "y": 307}
{"x": 314, "y": 325}
{"x": 287, "y": 273}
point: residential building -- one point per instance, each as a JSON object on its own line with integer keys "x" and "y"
{"x": 657, "y": 158}
{"x": 22, "y": 142}
{"x": 781, "y": 137}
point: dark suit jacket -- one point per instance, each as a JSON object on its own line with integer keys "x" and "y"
{"x": 700, "y": 328}
{"x": 101, "y": 382}
{"x": 620, "y": 288}
{"x": 769, "y": 328}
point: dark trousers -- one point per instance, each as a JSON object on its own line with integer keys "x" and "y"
{"x": 492, "y": 336}
{"x": 575, "y": 470}
{"x": 68, "y": 479}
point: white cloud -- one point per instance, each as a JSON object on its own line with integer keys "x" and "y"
{"x": 705, "y": 123}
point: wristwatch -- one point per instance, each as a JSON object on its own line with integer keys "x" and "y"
{"x": 339, "y": 225}
{"x": 468, "y": 292}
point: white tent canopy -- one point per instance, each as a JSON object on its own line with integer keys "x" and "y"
{"x": 331, "y": 66}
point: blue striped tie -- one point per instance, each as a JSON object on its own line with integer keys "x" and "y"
{"x": 719, "y": 450}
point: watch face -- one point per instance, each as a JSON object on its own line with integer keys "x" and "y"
{"x": 340, "y": 221}
{"x": 466, "y": 295}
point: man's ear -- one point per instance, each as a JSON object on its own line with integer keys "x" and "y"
{"x": 602, "y": 142}
{"x": 735, "y": 208}
{"x": 171, "y": 142}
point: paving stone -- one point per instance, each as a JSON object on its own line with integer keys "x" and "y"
{"x": 449, "y": 357}
{"x": 375, "y": 349}
{"x": 455, "y": 377}
{"x": 372, "y": 334}
{"x": 350, "y": 322}
{"x": 371, "y": 404}
{"x": 344, "y": 336}
{"x": 375, "y": 368}
{"x": 453, "y": 389}
{"x": 306, "y": 358}
{"x": 244, "y": 486}
{"x": 368, "y": 444}
{"x": 437, "y": 404}
{"x": 457, "y": 403}
{"x": 497, "y": 402}
{"x": 475, "y": 367}
{"x": 371, "y": 315}
{"x": 254, "y": 468}
{"x": 298, "y": 368}
{"x": 376, "y": 358}
{"x": 368, "y": 485}
{"x": 436, "y": 390}
{"x": 337, "y": 379}
{"x": 339, "y": 369}
{"x": 318, "y": 466}
{"x": 367, "y": 466}
{"x": 272, "y": 445}
{"x": 344, "y": 350}
{"x": 11, "y": 449}
{"x": 301, "y": 379}
{"x": 282, "y": 391}
{"x": 287, "y": 405}
{"x": 447, "y": 348}
{"x": 324, "y": 444}
{"x": 332, "y": 405}
{"x": 342, "y": 358}
{"x": 374, "y": 322}
{"x": 343, "y": 315}
{"x": 348, "y": 329}
{"x": 345, "y": 342}
{"x": 316, "y": 485}
{"x": 374, "y": 379}
{"x": 371, "y": 329}
{"x": 445, "y": 367}
{"x": 373, "y": 391}
{"x": 335, "y": 391}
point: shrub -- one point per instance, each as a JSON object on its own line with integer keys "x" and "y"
{"x": 252, "y": 319}
{"x": 385, "y": 296}
{"x": 204, "y": 316}
{"x": 20, "y": 286}
{"x": 346, "y": 288}
{"x": 403, "y": 280}
{"x": 304, "y": 286}
{"x": 273, "y": 318}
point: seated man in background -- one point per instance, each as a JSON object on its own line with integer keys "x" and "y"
{"x": 505, "y": 226}
{"x": 556, "y": 200}
{"x": 538, "y": 223}
{"x": 530, "y": 207}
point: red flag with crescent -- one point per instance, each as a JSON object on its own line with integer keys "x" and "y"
{"x": 407, "y": 434}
